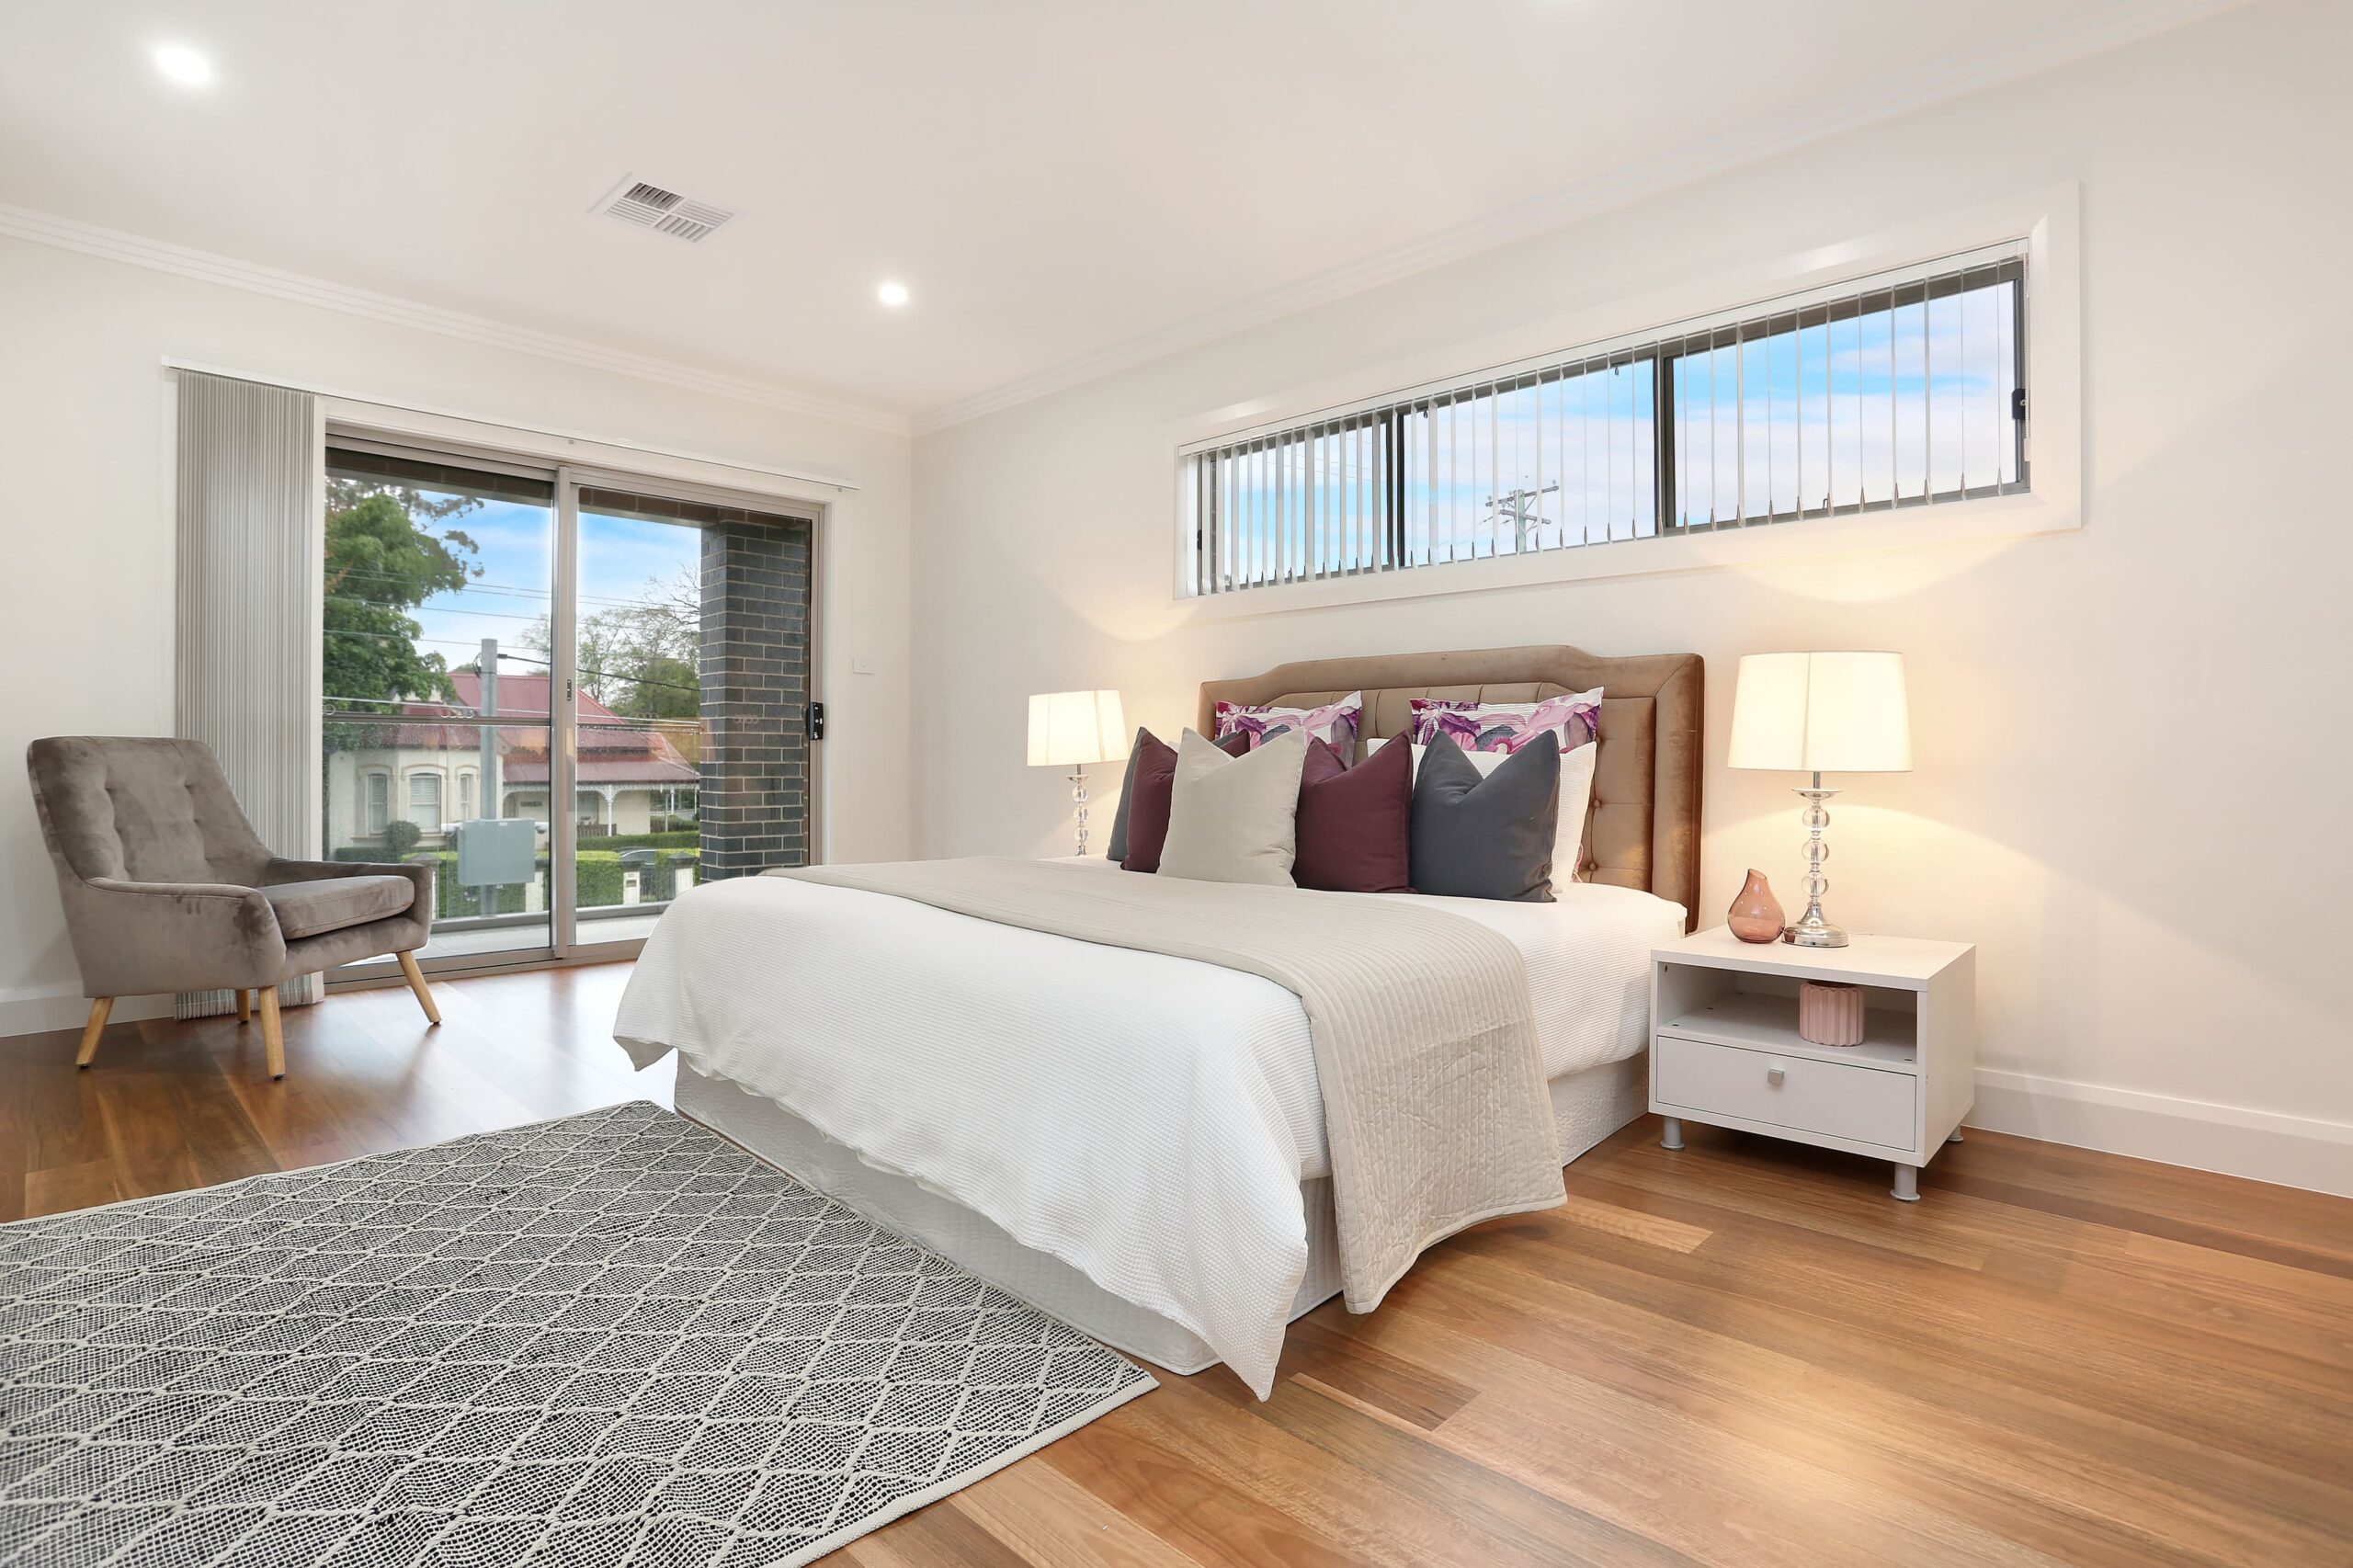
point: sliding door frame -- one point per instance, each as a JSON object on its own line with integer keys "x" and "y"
{"x": 564, "y": 947}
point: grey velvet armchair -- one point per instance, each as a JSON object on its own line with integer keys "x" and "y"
{"x": 167, "y": 887}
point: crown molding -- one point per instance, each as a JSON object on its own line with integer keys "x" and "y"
{"x": 1990, "y": 65}
{"x": 113, "y": 244}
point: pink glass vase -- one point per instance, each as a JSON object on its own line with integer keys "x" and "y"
{"x": 1755, "y": 916}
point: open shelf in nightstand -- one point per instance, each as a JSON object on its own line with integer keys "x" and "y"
{"x": 1762, "y": 1020}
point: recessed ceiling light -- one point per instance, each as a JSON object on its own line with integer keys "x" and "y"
{"x": 891, "y": 294}
{"x": 183, "y": 64}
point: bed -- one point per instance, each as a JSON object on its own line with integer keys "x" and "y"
{"x": 1130, "y": 1141}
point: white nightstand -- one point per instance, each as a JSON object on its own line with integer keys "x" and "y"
{"x": 1724, "y": 1045}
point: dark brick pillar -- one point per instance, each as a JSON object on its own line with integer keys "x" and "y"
{"x": 754, "y": 680}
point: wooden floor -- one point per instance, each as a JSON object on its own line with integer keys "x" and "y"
{"x": 1739, "y": 1353}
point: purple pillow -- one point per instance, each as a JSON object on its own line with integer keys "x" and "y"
{"x": 1575, "y": 717}
{"x": 1337, "y": 722}
{"x": 1151, "y": 792}
{"x": 1356, "y": 824}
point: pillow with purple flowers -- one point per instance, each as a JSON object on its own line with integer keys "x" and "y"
{"x": 1335, "y": 723}
{"x": 1573, "y": 718}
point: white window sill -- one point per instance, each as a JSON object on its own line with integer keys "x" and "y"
{"x": 1958, "y": 522}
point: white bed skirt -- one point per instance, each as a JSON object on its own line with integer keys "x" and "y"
{"x": 1586, "y": 1106}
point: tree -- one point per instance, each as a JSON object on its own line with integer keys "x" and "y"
{"x": 640, "y": 659}
{"x": 382, "y": 561}
{"x": 661, "y": 686}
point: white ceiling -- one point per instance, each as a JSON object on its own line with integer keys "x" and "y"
{"x": 1064, "y": 184}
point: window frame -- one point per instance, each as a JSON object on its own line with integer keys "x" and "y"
{"x": 432, "y": 775}
{"x": 375, "y": 815}
{"x": 2052, "y": 501}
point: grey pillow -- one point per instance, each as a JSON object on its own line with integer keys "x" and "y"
{"x": 1490, "y": 838}
{"x": 1118, "y": 850}
{"x": 1235, "y": 819}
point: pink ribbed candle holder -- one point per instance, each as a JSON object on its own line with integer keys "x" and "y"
{"x": 1830, "y": 1013}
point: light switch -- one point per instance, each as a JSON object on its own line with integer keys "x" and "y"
{"x": 861, "y": 664}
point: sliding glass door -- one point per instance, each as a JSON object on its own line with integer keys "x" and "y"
{"x": 637, "y": 780}
{"x": 438, "y": 597}
{"x": 574, "y": 695}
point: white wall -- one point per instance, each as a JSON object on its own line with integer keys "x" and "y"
{"x": 2132, "y": 740}
{"x": 85, "y": 513}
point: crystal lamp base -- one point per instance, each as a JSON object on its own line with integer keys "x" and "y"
{"x": 1813, "y": 930}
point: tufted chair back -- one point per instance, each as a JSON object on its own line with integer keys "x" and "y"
{"x": 142, "y": 811}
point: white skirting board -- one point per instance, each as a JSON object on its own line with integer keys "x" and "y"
{"x": 45, "y": 1009}
{"x": 42, "y": 1009}
{"x": 2261, "y": 1145}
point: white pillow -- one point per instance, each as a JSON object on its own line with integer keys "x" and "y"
{"x": 1234, "y": 819}
{"x": 1576, "y": 796}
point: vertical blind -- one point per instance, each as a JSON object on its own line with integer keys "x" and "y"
{"x": 1905, "y": 389}
{"x": 247, "y": 611}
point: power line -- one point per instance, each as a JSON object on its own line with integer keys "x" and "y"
{"x": 518, "y": 658}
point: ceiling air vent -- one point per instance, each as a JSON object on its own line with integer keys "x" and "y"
{"x": 665, "y": 211}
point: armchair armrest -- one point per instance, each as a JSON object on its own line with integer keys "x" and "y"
{"x": 278, "y": 870}
{"x": 132, "y": 937}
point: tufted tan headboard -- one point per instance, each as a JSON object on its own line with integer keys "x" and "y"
{"x": 1644, "y": 830}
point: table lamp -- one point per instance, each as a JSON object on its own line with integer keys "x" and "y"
{"x": 1820, "y": 713}
{"x": 1071, "y": 729}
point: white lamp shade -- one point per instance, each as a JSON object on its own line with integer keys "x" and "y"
{"x": 1071, "y": 728}
{"x": 1821, "y": 713}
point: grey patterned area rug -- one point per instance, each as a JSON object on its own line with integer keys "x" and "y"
{"x": 613, "y": 1339}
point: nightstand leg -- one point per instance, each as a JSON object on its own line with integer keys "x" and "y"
{"x": 1956, "y": 1136}
{"x": 1673, "y": 1137}
{"x": 1907, "y": 1184}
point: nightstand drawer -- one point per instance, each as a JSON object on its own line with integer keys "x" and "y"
{"x": 1797, "y": 1092}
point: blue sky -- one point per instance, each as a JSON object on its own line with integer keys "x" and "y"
{"x": 1847, "y": 412}
{"x": 619, "y": 557}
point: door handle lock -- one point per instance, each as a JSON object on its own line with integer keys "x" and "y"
{"x": 1774, "y": 1075}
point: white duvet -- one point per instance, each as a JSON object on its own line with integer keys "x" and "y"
{"x": 1146, "y": 1120}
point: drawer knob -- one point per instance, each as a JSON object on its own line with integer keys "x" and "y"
{"x": 1774, "y": 1075}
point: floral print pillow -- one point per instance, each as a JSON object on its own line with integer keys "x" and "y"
{"x": 1571, "y": 719}
{"x": 1335, "y": 723}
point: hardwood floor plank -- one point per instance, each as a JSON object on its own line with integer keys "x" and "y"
{"x": 1646, "y": 1457}
{"x": 1800, "y": 1378}
{"x": 149, "y": 1150}
{"x": 1413, "y": 1394}
{"x": 1184, "y": 1505}
{"x": 58, "y": 1189}
{"x": 2215, "y": 1238}
{"x": 13, "y": 1134}
{"x": 941, "y": 1535}
{"x": 2285, "y": 1215}
{"x": 1212, "y": 1422}
{"x": 1619, "y": 1219}
{"x": 1527, "y": 1521}
{"x": 1054, "y": 1522}
{"x": 1742, "y": 1353}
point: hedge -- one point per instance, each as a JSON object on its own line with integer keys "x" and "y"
{"x": 597, "y": 881}
{"x": 690, "y": 839}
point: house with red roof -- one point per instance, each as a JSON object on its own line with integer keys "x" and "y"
{"x": 428, "y": 765}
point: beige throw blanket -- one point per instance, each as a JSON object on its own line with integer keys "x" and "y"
{"x": 1434, "y": 1098}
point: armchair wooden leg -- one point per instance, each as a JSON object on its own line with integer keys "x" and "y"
{"x": 245, "y": 1004}
{"x": 273, "y": 1036}
{"x": 100, "y": 1008}
{"x": 416, "y": 983}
